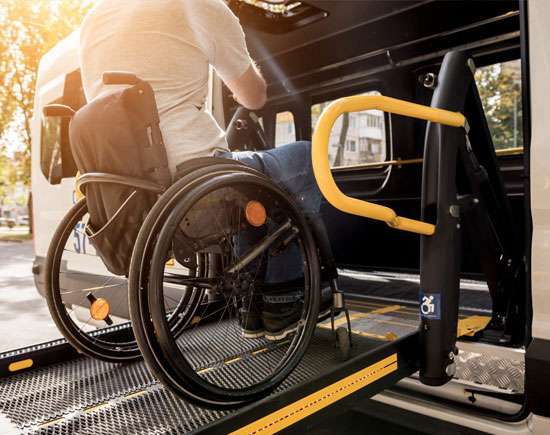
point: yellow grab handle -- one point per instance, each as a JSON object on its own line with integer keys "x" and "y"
{"x": 321, "y": 165}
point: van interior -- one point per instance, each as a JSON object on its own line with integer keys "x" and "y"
{"x": 340, "y": 49}
{"x": 319, "y": 51}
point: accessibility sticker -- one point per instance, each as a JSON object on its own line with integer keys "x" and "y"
{"x": 430, "y": 306}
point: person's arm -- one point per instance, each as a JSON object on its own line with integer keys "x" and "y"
{"x": 249, "y": 90}
{"x": 222, "y": 39}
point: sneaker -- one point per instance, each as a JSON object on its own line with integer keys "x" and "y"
{"x": 282, "y": 311}
{"x": 250, "y": 319}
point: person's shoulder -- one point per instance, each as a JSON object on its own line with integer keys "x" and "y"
{"x": 208, "y": 6}
{"x": 95, "y": 12}
{"x": 88, "y": 21}
{"x": 206, "y": 3}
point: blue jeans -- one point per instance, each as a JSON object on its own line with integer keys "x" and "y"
{"x": 289, "y": 166}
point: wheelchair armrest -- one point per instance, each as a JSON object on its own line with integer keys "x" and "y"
{"x": 119, "y": 78}
{"x": 58, "y": 110}
{"x": 104, "y": 178}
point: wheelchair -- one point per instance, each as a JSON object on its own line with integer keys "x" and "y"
{"x": 195, "y": 275}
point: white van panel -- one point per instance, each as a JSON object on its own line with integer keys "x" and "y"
{"x": 50, "y": 202}
{"x": 539, "y": 35}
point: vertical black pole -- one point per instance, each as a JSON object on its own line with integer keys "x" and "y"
{"x": 440, "y": 253}
{"x": 440, "y": 258}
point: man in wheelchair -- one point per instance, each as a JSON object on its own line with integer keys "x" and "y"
{"x": 170, "y": 44}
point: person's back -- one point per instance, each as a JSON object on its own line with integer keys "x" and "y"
{"x": 170, "y": 44}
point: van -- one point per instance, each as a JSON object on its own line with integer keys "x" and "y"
{"x": 315, "y": 52}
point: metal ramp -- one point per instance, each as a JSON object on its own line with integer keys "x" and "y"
{"x": 84, "y": 396}
{"x": 87, "y": 396}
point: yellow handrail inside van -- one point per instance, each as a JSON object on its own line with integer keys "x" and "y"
{"x": 321, "y": 164}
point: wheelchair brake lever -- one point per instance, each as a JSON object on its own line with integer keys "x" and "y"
{"x": 283, "y": 245}
{"x": 264, "y": 244}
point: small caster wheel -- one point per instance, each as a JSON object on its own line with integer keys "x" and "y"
{"x": 344, "y": 343}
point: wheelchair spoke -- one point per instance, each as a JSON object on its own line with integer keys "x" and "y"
{"x": 227, "y": 236}
{"x": 92, "y": 289}
{"x": 208, "y": 283}
{"x": 228, "y": 303}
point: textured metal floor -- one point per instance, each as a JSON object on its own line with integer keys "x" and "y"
{"x": 87, "y": 396}
{"x": 490, "y": 366}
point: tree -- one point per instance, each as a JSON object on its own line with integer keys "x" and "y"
{"x": 500, "y": 91}
{"x": 28, "y": 29}
{"x": 316, "y": 111}
{"x": 339, "y": 158}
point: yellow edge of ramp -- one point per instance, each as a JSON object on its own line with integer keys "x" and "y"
{"x": 20, "y": 365}
{"x": 470, "y": 325}
{"x": 314, "y": 402}
{"x": 321, "y": 165}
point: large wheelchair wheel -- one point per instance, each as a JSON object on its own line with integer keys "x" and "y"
{"x": 88, "y": 304}
{"x": 211, "y": 362}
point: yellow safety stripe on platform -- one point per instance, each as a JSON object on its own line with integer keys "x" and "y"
{"x": 92, "y": 408}
{"x": 388, "y": 336}
{"x": 387, "y": 309}
{"x": 314, "y": 402}
{"x": 403, "y": 310}
{"x": 20, "y": 365}
{"x": 470, "y": 325}
{"x": 372, "y": 305}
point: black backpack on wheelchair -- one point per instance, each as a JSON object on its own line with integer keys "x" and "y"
{"x": 119, "y": 135}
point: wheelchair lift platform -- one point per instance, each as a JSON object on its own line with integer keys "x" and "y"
{"x": 86, "y": 396}
{"x": 82, "y": 395}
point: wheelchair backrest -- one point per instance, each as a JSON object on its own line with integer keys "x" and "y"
{"x": 119, "y": 134}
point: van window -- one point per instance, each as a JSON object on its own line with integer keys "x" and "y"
{"x": 285, "y": 130}
{"x": 357, "y": 138}
{"x": 499, "y": 87}
{"x": 50, "y": 148}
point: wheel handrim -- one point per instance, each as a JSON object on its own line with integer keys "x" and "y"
{"x": 179, "y": 362}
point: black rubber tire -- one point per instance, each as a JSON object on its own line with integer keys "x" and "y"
{"x": 64, "y": 323}
{"x": 166, "y": 339}
{"x": 172, "y": 373}
{"x": 137, "y": 281}
{"x": 343, "y": 342}
{"x": 79, "y": 340}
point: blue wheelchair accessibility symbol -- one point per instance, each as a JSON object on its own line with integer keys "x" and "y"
{"x": 430, "y": 306}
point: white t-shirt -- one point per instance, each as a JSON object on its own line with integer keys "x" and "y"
{"x": 170, "y": 44}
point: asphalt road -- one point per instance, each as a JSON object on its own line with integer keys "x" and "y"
{"x": 24, "y": 316}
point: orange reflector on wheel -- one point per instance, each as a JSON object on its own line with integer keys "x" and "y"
{"x": 255, "y": 213}
{"x": 100, "y": 309}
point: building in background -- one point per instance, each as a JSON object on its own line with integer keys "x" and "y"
{"x": 363, "y": 141}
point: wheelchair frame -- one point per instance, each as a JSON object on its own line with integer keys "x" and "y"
{"x": 191, "y": 173}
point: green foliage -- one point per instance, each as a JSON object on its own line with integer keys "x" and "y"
{"x": 500, "y": 90}
{"x": 28, "y": 29}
